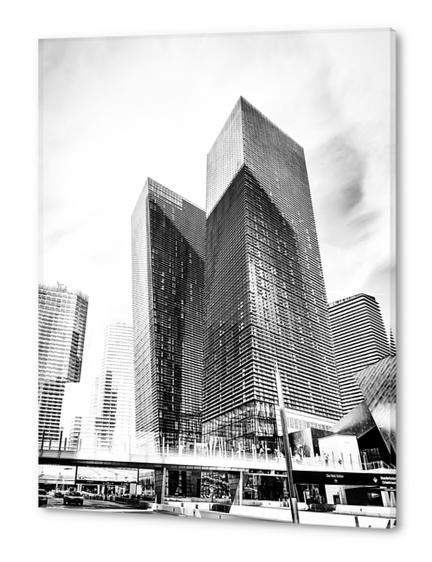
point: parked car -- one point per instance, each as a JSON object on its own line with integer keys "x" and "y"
{"x": 42, "y": 497}
{"x": 73, "y": 497}
{"x": 222, "y": 507}
{"x": 321, "y": 507}
{"x": 59, "y": 494}
{"x": 89, "y": 495}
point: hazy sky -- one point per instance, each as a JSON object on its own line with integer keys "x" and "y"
{"x": 115, "y": 111}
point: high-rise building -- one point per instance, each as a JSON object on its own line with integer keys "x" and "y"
{"x": 73, "y": 431}
{"x": 168, "y": 235}
{"x": 62, "y": 324}
{"x": 359, "y": 340}
{"x": 80, "y": 433}
{"x": 265, "y": 295}
{"x": 73, "y": 418}
{"x": 115, "y": 394}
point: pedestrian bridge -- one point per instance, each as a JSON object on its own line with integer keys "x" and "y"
{"x": 307, "y": 470}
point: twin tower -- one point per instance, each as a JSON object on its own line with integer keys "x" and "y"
{"x": 224, "y": 297}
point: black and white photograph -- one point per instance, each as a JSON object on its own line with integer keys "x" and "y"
{"x": 217, "y": 332}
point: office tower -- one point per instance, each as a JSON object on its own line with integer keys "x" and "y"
{"x": 168, "y": 236}
{"x": 115, "y": 391}
{"x": 265, "y": 295}
{"x": 62, "y": 324}
{"x": 359, "y": 340}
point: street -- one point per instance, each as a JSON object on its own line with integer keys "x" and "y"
{"x": 263, "y": 514}
{"x": 93, "y": 504}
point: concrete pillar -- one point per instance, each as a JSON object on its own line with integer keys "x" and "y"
{"x": 174, "y": 481}
{"x": 385, "y": 498}
{"x": 195, "y": 484}
{"x": 342, "y": 495}
{"x": 161, "y": 477}
{"x": 285, "y": 489}
{"x": 235, "y": 481}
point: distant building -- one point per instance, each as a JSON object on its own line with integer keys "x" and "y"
{"x": 74, "y": 432}
{"x": 168, "y": 235}
{"x": 73, "y": 420}
{"x": 62, "y": 325}
{"x": 359, "y": 340}
{"x": 265, "y": 294}
{"x": 114, "y": 419}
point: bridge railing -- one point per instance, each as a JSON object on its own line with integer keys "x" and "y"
{"x": 203, "y": 451}
{"x": 376, "y": 465}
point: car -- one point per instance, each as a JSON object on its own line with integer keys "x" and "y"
{"x": 89, "y": 495}
{"x": 73, "y": 497}
{"x": 321, "y": 507}
{"x": 222, "y": 507}
{"x": 59, "y": 494}
{"x": 42, "y": 497}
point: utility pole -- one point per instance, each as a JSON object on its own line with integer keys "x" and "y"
{"x": 292, "y": 492}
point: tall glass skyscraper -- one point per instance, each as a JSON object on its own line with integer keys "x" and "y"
{"x": 168, "y": 235}
{"x": 115, "y": 398}
{"x": 62, "y": 325}
{"x": 265, "y": 295}
{"x": 359, "y": 340}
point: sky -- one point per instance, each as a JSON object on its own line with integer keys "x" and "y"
{"x": 114, "y": 111}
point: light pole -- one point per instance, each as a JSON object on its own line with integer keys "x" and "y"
{"x": 291, "y": 488}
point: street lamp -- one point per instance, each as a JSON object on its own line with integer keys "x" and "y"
{"x": 291, "y": 488}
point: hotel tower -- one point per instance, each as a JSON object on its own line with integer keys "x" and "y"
{"x": 359, "y": 340}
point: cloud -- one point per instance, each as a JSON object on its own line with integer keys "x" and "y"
{"x": 344, "y": 168}
{"x": 337, "y": 173}
{"x": 364, "y": 222}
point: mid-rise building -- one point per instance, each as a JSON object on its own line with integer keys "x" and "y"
{"x": 168, "y": 236}
{"x": 359, "y": 340}
{"x": 114, "y": 418}
{"x": 265, "y": 295}
{"x": 62, "y": 325}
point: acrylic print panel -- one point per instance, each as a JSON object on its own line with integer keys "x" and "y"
{"x": 216, "y": 301}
